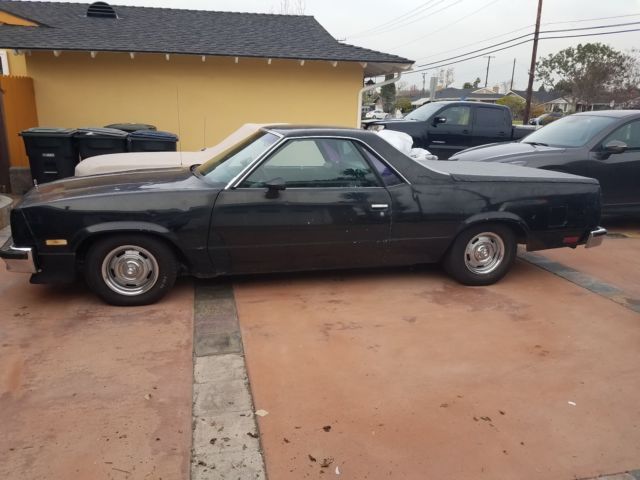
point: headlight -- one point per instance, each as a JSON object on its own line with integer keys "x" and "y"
{"x": 376, "y": 128}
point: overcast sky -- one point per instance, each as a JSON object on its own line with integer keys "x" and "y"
{"x": 433, "y": 30}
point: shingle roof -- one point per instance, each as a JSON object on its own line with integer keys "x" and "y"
{"x": 539, "y": 97}
{"x": 65, "y": 26}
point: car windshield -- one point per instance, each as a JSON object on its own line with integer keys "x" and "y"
{"x": 424, "y": 112}
{"x": 571, "y": 131}
{"x": 230, "y": 162}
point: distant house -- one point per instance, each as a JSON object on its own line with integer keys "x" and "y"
{"x": 200, "y": 74}
{"x": 549, "y": 100}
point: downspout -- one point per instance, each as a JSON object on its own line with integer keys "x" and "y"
{"x": 371, "y": 87}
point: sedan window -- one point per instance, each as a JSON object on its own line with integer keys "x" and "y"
{"x": 629, "y": 134}
{"x": 315, "y": 163}
{"x": 571, "y": 131}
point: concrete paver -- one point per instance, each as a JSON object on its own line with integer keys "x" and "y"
{"x": 89, "y": 391}
{"x": 405, "y": 374}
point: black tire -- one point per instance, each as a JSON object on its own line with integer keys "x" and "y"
{"x": 130, "y": 269}
{"x": 481, "y": 255}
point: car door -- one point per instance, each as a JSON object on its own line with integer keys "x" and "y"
{"x": 619, "y": 173}
{"x": 452, "y": 135}
{"x": 490, "y": 125}
{"x": 332, "y": 213}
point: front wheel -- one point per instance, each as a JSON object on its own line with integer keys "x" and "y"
{"x": 481, "y": 255}
{"x": 130, "y": 270}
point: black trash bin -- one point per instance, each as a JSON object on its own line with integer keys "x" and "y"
{"x": 52, "y": 153}
{"x": 152, "y": 141}
{"x": 100, "y": 141}
{"x": 131, "y": 127}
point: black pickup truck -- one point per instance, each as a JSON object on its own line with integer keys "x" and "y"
{"x": 446, "y": 128}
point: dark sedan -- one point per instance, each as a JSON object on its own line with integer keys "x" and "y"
{"x": 604, "y": 145}
{"x": 295, "y": 198}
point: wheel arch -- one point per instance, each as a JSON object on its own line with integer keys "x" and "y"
{"x": 511, "y": 220}
{"x": 86, "y": 237}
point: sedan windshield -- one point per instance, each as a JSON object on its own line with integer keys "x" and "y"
{"x": 229, "y": 163}
{"x": 571, "y": 131}
{"x": 424, "y": 112}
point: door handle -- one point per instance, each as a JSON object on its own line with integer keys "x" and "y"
{"x": 379, "y": 206}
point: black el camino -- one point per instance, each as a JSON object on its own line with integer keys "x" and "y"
{"x": 295, "y": 198}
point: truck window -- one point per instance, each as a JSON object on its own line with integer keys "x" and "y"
{"x": 489, "y": 117}
{"x": 456, "y": 115}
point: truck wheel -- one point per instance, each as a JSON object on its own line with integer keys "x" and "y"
{"x": 130, "y": 270}
{"x": 481, "y": 255}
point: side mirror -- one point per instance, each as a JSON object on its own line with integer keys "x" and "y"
{"x": 438, "y": 120}
{"x": 275, "y": 186}
{"x": 615, "y": 146}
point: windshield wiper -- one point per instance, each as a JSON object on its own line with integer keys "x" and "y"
{"x": 535, "y": 144}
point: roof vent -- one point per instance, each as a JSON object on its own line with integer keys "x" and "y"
{"x": 101, "y": 10}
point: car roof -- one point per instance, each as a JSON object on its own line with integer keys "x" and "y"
{"x": 610, "y": 113}
{"x": 318, "y": 130}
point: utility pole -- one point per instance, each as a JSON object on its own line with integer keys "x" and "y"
{"x": 486, "y": 79}
{"x": 532, "y": 69}
{"x": 424, "y": 82}
{"x": 513, "y": 71}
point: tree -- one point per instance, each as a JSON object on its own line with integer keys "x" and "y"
{"x": 515, "y": 104}
{"x": 404, "y": 104}
{"x": 388, "y": 94}
{"x": 587, "y": 70}
{"x": 446, "y": 77}
{"x": 541, "y": 89}
{"x": 476, "y": 83}
{"x": 467, "y": 85}
{"x": 291, "y": 7}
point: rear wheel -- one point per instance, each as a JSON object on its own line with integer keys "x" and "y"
{"x": 481, "y": 255}
{"x": 130, "y": 270}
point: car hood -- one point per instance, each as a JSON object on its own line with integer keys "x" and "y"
{"x": 500, "y": 172}
{"x": 110, "y": 184}
{"x": 505, "y": 152}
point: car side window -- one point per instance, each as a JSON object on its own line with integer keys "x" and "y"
{"x": 629, "y": 134}
{"x": 388, "y": 176}
{"x": 489, "y": 117}
{"x": 459, "y": 115}
{"x": 315, "y": 163}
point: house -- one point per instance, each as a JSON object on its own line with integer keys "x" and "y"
{"x": 199, "y": 74}
{"x": 551, "y": 101}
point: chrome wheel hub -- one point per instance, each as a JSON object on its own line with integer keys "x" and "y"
{"x": 130, "y": 270}
{"x": 484, "y": 253}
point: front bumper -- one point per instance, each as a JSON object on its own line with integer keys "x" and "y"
{"x": 18, "y": 259}
{"x": 596, "y": 237}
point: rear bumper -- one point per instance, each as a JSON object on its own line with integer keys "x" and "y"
{"x": 596, "y": 237}
{"x": 18, "y": 259}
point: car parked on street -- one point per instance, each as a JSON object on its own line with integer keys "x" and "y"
{"x": 545, "y": 118}
{"x": 604, "y": 145}
{"x": 446, "y": 128}
{"x": 293, "y": 198}
{"x": 376, "y": 114}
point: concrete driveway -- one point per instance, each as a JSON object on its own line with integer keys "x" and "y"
{"x": 89, "y": 391}
{"x": 394, "y": 373}
{"x": 405, "y": 374}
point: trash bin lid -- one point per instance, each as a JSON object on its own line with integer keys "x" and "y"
{"x": 101, "y": 132}
{"x": 48, "y": 132}
{"x": 131, "y": 127}
{"x": 153, "y": 135}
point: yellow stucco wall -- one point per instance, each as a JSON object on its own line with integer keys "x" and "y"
{"x": 201, "y": 101}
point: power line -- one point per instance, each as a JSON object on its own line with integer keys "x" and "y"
{"x": 526, "y": 35}
{"x": 446, "y": 26}
{"x": 402, "y": 25}
{"x": 517, "y": 44}
{"x": 393, "y": 20}
{"x": 523, "y": 28}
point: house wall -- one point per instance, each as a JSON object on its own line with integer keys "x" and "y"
{"x": 18, "y": 104}
{"x": 200, "y": 101}
{"x": 17, "y": 63}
